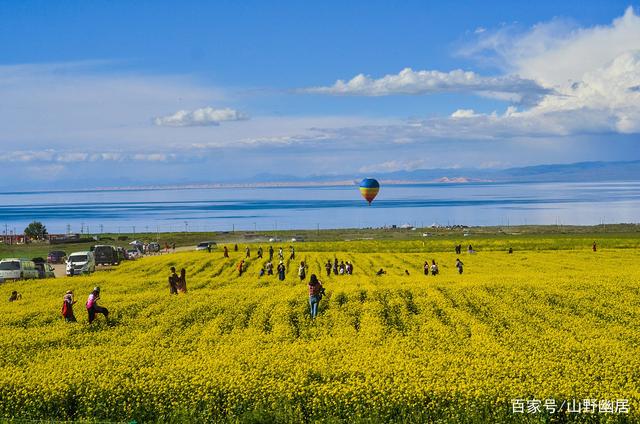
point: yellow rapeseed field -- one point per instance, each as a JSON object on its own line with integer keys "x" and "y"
{"x": 513, "y": 329}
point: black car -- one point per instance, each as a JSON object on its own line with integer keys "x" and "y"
{"x": 106, "y": 255}
{"x": 56, "y": 257}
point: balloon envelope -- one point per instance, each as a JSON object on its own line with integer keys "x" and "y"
{"x": 369, "y": 189}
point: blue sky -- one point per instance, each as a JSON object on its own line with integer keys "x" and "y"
{"x": 110, "y": 93}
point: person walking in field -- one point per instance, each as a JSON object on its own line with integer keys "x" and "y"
{"x": 67, "y": 306}
{"x": 281, "y": 254}
{"x": 327, "y": 266}
{"x": 425, "y": 267}
{"x": 248, "y": 252}
{"x": 293, "y": 253}
{"x": 92, "y": 305}
{"x": 269, "y": 267}
{"x": 459, "y": 265}
{"x": 260, "y": 252}
{"x": 434, "y": 268}
{"x": 349, "y": 268}
{"x": 270, "y": 253}
{"x": 226, "y": 252}
{"x": 240, "y": 268}
{"x": 458, "y": 249}
{"x": 173, "y": 281}
{"x": 335, "y": 266}
{"x": 235, "y": 247}
{"x": 182, "y": 281}
{"x": 302, "y": 271}
{"x": 281, "y": 271}
{"x": 315, "y": 295}
{"x": 594, "y": 246}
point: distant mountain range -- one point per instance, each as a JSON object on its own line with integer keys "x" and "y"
{"x": 574, "y": 172}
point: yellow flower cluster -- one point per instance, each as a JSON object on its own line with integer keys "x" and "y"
{"x": 535, "y": 324}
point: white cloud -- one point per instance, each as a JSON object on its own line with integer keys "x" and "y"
{"x": 202, "y": 117}
{"x": 408, "y": 81}
{"x": 464, "y": 113}
{"x": 559, "y": 52}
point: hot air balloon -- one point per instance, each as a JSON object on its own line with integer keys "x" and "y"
{"x": 369, "y": 189}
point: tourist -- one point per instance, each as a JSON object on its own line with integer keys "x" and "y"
{"x": 425, "y": 267}
{"x": 315, "y": 295}
{"x": 594, "y": 246}
{"x": 459, "y": 265}
{"x": 182, "y": 281}
{"x": 248, "y": 252}
{"x": 327, "y": 266}
{"x": 260, "y": 252}
{"x": 381, "y": 272}
{"x": 67, "y": 306}
{"x": 269, "y": 267}
{"x": 270, "y": 253}
{"x": 15, "y": 296}
{"x": 434, "y": 268}
{"x": 281, "y": 271}
{"x": 240, "y": 268}
{"x": 92, "y": 305}
{"x": 302, "y": 271}
{"x": 226, "y": 252}
{"x": 173, "y": 281}
{"x": 349, "y": 268}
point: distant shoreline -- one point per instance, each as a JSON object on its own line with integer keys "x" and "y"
{"x": 275, "y": 184}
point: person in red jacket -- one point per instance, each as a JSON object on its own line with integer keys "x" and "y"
{"x": 315, "y": 294}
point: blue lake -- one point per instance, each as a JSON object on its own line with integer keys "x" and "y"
{"x": 224, "y": 209}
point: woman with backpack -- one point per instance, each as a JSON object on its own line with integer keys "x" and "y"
{"x": 315, "y": 295}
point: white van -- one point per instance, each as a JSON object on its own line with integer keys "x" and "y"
{"x": 81, "y": 263}
{"x": 17, "y": 269}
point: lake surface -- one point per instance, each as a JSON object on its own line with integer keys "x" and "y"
{"x": 224, "y": 209}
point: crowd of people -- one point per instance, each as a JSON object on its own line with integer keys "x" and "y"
{"x": 178, "y": 283}
{"x": 342, "y": 268}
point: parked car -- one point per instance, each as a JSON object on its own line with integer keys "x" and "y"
{"x": 17, "y": 269}
{"x": 57, "y": 257}
{"x": 133, "y": 254}
{"x": 106, "y": 255}
{"x": 45, "y": 270}
{"x": 205, "y": 245}
{"x": 153, "y": 247}
{"x": 81, "y": 263}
